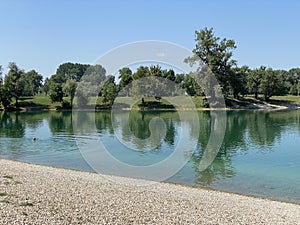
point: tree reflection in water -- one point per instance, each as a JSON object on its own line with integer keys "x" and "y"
{"x": 258, "y": 130}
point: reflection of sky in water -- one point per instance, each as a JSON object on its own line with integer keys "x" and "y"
{"x": 42, "y": 132}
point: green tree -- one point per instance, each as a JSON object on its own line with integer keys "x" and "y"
{"x": 294, "y": 89}
{"x": 191, "y": 86}
{"x": 254, "y": 79}
{"x": 56, "y": 92}
{"x": 46, "y": 86}
{"x": 179, "y": 78}
{"x": 238, "y": 81}
{"x": 125, "y": 76}
{"x": 169, "y": 74}
{"x": 90, "y": 84}
{"x": 56, "y": 84}
{"x": 32, "y": 82}
{"x": 72, "y": 71}
{"x": 5, "y": 97}
{"x": 271, "y": 84}
{"x": 94, "y": 74}
{"x": 216, "y": 54}
{"x": 109, "y": 90}
{"x": 142, "y": 71}
{"x": 13, "y": 81}
{"x": 70, "y": 89}
{"x": 293, "y": 76}
{"x": 155, "y": 70}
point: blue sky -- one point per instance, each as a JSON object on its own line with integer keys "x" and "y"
{"x": 43, "y": 34}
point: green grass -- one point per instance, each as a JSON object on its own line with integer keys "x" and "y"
{"x": 38, "y": 101}
{"x": 290, "y": 99}
{"x": 26, "y": 204}
{"x": 3, "y": 194}
{"x": 164, "y": 103}
{"x": 41, "y": 101}
{"x": 4, "y": 201}
{"x": 276, "y": 100}
{"x": 8, "y": 177}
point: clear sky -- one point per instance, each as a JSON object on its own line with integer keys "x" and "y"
{"x": 41, "y": 35}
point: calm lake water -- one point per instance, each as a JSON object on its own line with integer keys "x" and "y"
{"x": 259, "y": 155}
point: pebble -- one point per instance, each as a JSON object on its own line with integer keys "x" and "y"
{"x": 47, "y": 195}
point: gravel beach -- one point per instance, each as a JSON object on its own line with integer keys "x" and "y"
{"x": 33, "y": 194}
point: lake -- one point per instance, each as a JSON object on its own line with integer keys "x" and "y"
{"x": 259, "y": 154}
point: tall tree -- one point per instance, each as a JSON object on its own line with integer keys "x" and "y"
{"x": 90, "y": 84}
{"x": 169, "y": 74}
{"x": 70, "y": 89}
{"x": 125, "y": 77}
{"x": 4, "y": 100}
{"x": 191, "y": 86}
{"x": 56, "y": 92}
{"x": 239, "y": 80}
{"x": 32, "y": 82}
{"x": 94, "y": 74}
{"x": 46, "y": 86}
{"x": 271, "y": 84}
{"x": 179, "y": 78}
{"x": 13, "y": 81}
{"x": 217, "y": 55}
{"x": 254, "y": 80}
{"x": 72, "y": 71}
{"x": 142, "y": 71}
{"x": 109, "y": 90}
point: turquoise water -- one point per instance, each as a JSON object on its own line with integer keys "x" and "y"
{"x": 259, "y": 154}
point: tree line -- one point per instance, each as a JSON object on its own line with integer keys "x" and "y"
{"x": 211, "y": 53}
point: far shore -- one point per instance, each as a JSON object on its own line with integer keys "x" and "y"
{"x": 253, "y": 106}
{"x": 34, "y": 194}
{"x": 42, "y": 103}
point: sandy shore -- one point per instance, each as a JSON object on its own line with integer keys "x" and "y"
{"x": 32, "y": 194}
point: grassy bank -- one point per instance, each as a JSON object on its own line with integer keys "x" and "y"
{"x": 43, "y": 102}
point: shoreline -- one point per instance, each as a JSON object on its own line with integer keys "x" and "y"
{"x": 38, "y": 194}
{"x": 258, "y": 105}
{"x": 268, "y": 108}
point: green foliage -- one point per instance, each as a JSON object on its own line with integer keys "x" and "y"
{"x": 71, "y": 71}
{"x": 216, "y": 54}
{"x": 26, "y": 204}
{"x": 126, "y": 77}
{"x": 238, "y": 81}
{"x": 254, "y": 80}
{"x": 212, "y": 55}
{"x": 70, "y": 89}
{"x": 56, "y": 92}
{"x": 266, "y": 81}
{"x": 169, "y": 74}
{"x": 13, "y": 81}
{"x": 142, "y": 71}
{"x": 271, "y": 84}
{"x": 46, "y": 86}
{"x": 109, "y": 91}
{"x": 179, "y": 78}
{"x": 294, "y": 89}
{"x": 5, "y": 96}
{"x": 94, "y": 74}
{"x": 32, "y": 82}
{"x": 191, "y": 86}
